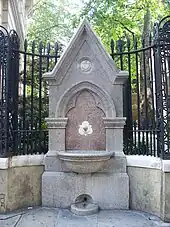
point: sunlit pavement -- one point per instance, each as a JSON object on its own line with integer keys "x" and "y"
{"x": 43, "y": 217}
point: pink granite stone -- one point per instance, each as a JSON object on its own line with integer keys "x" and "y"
{"x": 85, "y": 110}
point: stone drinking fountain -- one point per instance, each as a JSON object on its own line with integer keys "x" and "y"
{"x": 85, "y": 167}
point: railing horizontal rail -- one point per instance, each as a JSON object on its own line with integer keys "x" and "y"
{"x": 149, "y": 130}
{"x": 37, "y": 55}
{"x": 134, "y": 51}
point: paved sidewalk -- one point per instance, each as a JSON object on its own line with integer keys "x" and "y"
{"x": 46, "y": 217}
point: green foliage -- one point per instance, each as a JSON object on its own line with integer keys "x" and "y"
{"x": 33, "y": 105}
{"x": 55, "y": 20}
{"x": 119, "y": 18}
{"x": 132, "y": 19}
{"x": 52, "y": 21}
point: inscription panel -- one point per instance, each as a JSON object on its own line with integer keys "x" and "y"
{"x": 85, "y": 110}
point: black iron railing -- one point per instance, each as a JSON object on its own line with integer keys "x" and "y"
{"x": 146, "y": 94}
{"x": 140, "y": 132}
{"x": 24, "y": 94}
{"x": 9, "y": 71}
{"x": 162, "y": 41}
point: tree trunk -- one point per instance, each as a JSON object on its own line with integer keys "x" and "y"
{"x": 145, "y": 86}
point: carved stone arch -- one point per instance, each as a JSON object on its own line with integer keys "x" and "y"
{"x": 72, "y": 102}
{"x": 103, "y": 100}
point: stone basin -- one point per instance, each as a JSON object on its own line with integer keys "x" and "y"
{"x": 83, "y": 209}
{"x": 80, "y": 161}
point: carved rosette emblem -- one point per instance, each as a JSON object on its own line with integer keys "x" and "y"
{"x": 85, "y": 65}
{"x": 85, "y": 128}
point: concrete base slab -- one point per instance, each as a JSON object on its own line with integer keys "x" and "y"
{"x": 108, "y": 190}
{"x": 43, "y": 217}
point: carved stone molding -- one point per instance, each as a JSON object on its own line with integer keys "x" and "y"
{"x": 85, "y": 64}
{"x": 53, "y": 123}
{"x": 72, "y": 102}
{"x": 121, "y": 77}
{"x": 103, "y": 100}
{"x": 117, "y": 122}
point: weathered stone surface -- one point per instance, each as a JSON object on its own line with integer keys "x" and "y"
{"x": 85, "y": 109}
{"x": 66, "y": 218}
{"x": 45, "y": 217}
{"x": 10, "y": 222}
{"x": 67, "y": 73}
{"x": 53, "y": 163}
{"x": 125, "y": 219}
{"x": 24, "y": 186}
{"x": 115, "y": 165}
{"x": 57, "y": 139}
{"x": 20, "y": 187}
{"x": 84, "y": 209}
{"x": 109, "y": 191}
{"x": 85, "y": 86}
{"x": 3, "y": 190}
{"x": 165, "y": 197}
{"x": 145, "y": 189}
{"x": 41, "y": 217}
{"x": 82, "y": 161}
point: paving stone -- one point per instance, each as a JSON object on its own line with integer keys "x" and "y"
{"x": 67, "y": 219}
{"x": 123, "y": 219}
{"x": 9, "y": 221}
{"x": 53, "y": 217}
{"x": 42, "y": 217}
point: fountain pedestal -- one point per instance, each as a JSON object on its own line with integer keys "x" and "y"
{"x": 85, "y": 125}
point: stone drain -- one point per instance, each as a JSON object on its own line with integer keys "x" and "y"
{"x": 84, "y": 206}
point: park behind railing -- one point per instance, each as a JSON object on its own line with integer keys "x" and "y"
{"x": 24, "y": 94}
{"x": 147, "y": 92}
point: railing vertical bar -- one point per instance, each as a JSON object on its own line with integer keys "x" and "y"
{"x": 135, "y": 138}
{"x": 38, "y": 136}
{"x": 153, "y": 125}
{"x": 3, "y": 53}
{"x": 129, "y": 94}
{"x": 56, "y": 48}
{"x": 15, "y": 44}
{"x": 24, "y": 94}
{"x": 112, "y": 46}
{"x": 40, "y": 83}
{"x": 159, "y": 103}
{"x": 138, "y": 90}
{"x": 145, "y": 98}
{"x": 48, "y": 56}
{"x": 32, "y": 92}
{"x": 143, "y": 148}
{"x": 6, "y": 100}
{"x": 20, "y": 136}
{"x": 150, "y": 142}
{"x": 165, "y": 99}
{"x": 32, "y": 84}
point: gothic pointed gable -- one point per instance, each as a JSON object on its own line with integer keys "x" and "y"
{"x": 86, "y": 42}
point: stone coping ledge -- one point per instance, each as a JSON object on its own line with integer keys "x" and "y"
{"x": 148, "y": 162}
{"x": 132, "y": 161}
{"x": 22, "y": 160}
